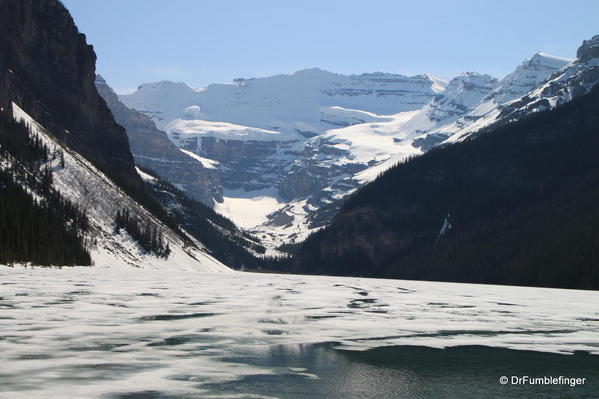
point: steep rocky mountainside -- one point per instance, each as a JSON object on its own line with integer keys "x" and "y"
{"x": 152, "y": 149}
{"x": 47, "y": 67}
{"x": 47, "y": 83}
{"x": 517, "y": 204}
{"x": 27, "y": 197}
{"x": 100, "y": 199}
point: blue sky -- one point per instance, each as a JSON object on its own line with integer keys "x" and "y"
{"x": 201, "y": 42}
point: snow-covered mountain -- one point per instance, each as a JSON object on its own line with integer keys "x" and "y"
{"x": 524, "y": 78}
{"x": 291, "y": 146}
{"x": 304, "y": 103}
{"x": 256, "y": 130}
{"x": 574, "y": 80}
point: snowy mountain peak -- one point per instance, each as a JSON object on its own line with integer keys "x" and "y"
{"x": 439, "y": 85}
{"x": 461, "y": 94}
{"x": 314, "y": 71}
{"x": 541, "y": 58}
{"x": 571, "y": 81}
{"x": 467, "y": 80}
{"x": 526, "y": 76}
{"x": 164, "y": 84}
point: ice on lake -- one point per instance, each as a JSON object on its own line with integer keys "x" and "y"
{"x": 94, "y": 333}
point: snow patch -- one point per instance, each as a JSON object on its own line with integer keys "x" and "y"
{"x": 248, "y": 208}
{"x": 207, "y": 163}
{"x": 144, "y": 176}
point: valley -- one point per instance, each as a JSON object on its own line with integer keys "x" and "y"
{"x": 303, "y": 235}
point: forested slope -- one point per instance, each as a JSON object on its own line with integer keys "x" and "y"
{"x": 37, "y": 224}
{"x": 518, "y": 204}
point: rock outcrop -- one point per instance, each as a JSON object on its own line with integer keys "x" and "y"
{"x": 589, "y": 49}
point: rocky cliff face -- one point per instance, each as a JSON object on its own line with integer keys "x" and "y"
{"x": 48, "y": 69}
{"x": 589, "y": 49}
{"x": 245, "y": 164}
{"x": 152, "y": 149}
{"x": 462, "y": 94}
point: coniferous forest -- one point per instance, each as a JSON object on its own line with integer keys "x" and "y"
{"x": 517, "y": 204}
{"x": 47, "y": 229}
{"x": 148, "y": 236}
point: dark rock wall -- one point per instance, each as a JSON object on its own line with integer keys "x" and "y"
{"x": 48, "y": 69}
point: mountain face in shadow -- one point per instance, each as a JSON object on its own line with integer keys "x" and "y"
{"x": 48, "y": 69}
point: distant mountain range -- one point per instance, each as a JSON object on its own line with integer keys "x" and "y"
{"x": 290, "y": 148}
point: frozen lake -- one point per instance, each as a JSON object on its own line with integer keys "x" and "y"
{"x": 101, "y": 333}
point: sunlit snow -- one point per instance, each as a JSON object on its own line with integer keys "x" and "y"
{"x": 248, "y": 208}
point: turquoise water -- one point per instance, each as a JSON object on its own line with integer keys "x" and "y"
{"x": 416, "y": 372}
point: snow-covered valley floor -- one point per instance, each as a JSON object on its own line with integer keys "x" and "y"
{"x": 108, "y": 333}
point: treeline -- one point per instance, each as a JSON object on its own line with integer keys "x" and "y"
{"x": 148, "y": 236}
{"x": 45, "y": 230}
{"x": 222, "y": 239}
{"x": 522, "y": 200}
